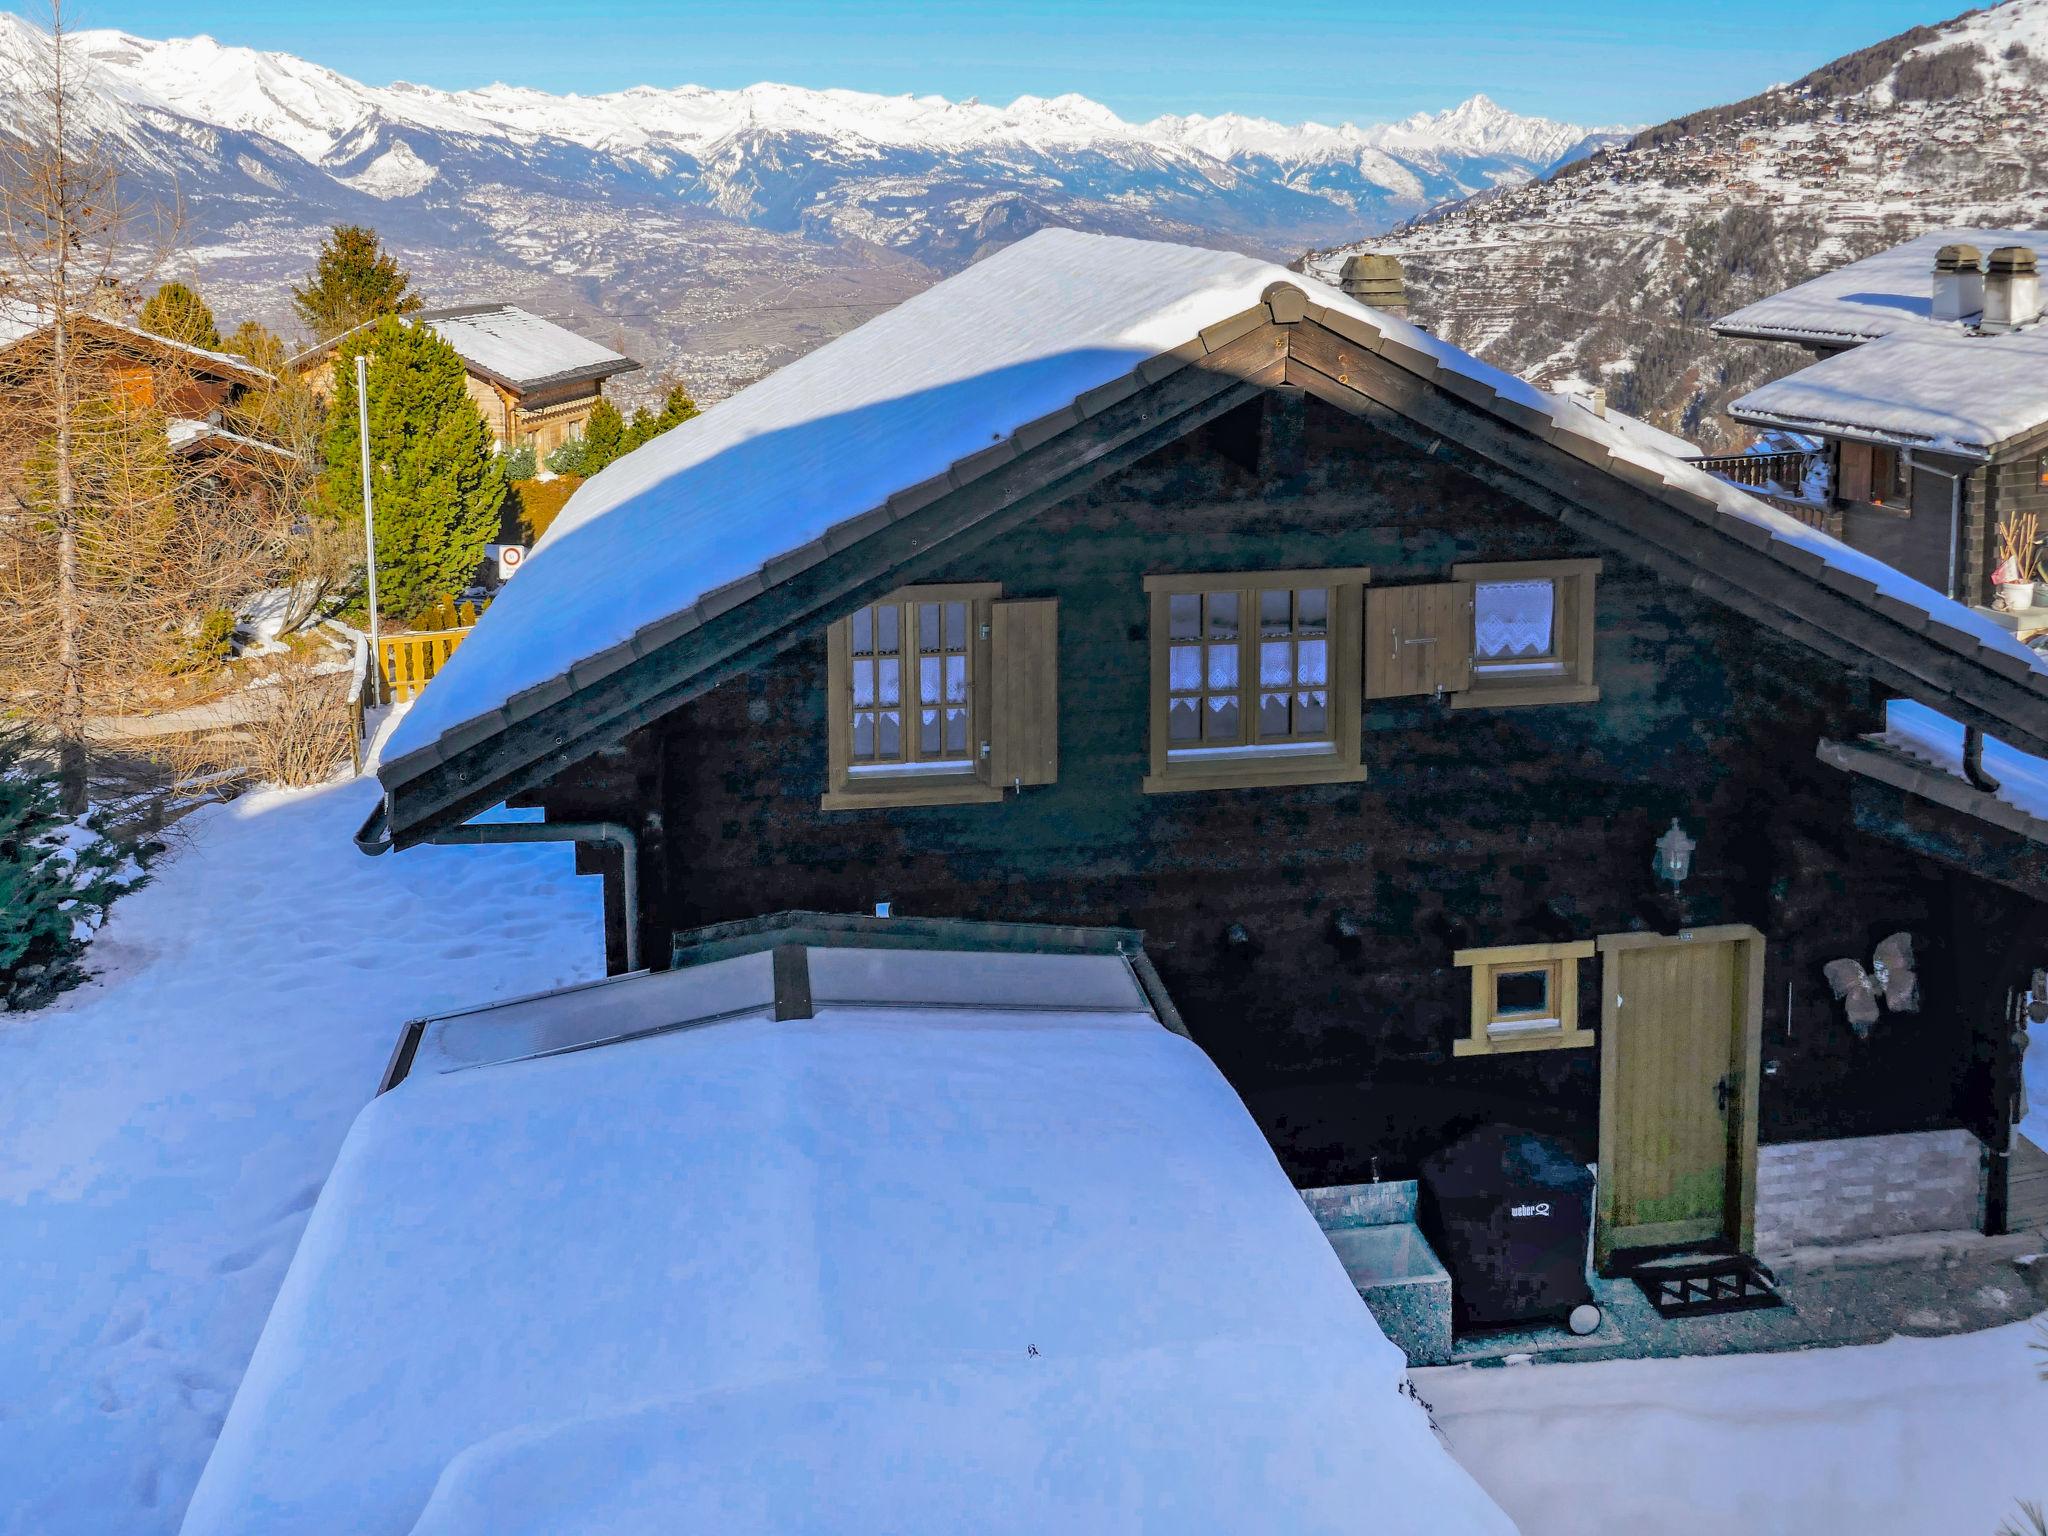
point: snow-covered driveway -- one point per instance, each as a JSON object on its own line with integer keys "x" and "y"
{"x": 1911, "y": 1437}
{"x": 164, "y": 1130}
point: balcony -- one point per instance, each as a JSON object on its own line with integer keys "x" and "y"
{"x": 1794, "y": 481}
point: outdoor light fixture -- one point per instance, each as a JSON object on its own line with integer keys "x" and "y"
{"x": 1674, "y": 855}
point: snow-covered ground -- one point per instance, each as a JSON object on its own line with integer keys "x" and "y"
{"x": 1910, "y": 1437}
{"x": 168, "y": 1125}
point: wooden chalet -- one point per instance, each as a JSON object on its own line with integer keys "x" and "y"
{"x": 534, "y": 381}
{"x": 1118, "y": 583}
{"x": 1930, "y": 398}
{"x": 195, "y": 389}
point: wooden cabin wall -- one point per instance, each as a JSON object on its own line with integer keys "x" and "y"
{"x": 1476, "y": 827}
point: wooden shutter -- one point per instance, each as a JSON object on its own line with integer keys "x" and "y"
{"x": 1024, "y": 712}
{"x": 1418, "y": 639}
{"x": 1855, "y": 472}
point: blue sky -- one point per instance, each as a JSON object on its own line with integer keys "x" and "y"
{"x": 1367, "y": 60}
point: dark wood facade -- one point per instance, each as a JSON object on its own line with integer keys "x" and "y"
{"x": 1306, "y": 933}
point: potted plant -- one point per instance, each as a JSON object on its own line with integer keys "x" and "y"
{"x": 2014, "y": 573}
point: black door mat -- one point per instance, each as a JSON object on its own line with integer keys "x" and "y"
{"x": 1707, "y": 1284}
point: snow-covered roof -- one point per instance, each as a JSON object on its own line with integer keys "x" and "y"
{"x": 1880, "y": 295}
{"x": 906, "y": 1270}
{"x": 508, "y": 345}
{"x": 187, "y": 436}
{"x": 19, "y": 321}
{"x": 521, "y": 349}
{"x": 1634, "y": 429}
{"x": 1932, "y": 738}
{"x": 1014, "y": 341}
{"x": 1939, "y": 389}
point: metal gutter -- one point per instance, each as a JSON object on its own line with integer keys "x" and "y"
{"x": 374, "y": 837}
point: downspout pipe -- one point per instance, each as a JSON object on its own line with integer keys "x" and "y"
{"x": 1973, "y": 761}
{"x": 375, "y": 838}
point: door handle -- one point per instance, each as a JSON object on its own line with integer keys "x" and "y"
{"x": 1724, "y": 1092}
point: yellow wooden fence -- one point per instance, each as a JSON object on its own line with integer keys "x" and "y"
{"x": 410, "y": 661}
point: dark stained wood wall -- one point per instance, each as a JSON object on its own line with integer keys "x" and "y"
{"x": 1475, "y": 828}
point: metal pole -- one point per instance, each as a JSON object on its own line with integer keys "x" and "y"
{"x": 369, "y": 522}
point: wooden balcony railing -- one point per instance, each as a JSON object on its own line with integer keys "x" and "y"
{"x": 1778, "y": 478}
{"x": 1784, "y": 472}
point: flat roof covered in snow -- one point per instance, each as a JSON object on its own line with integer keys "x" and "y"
{"x": 1938, "y": 388}
{"x": 884, "y": 1268}
{"x": 1880, "y": 295}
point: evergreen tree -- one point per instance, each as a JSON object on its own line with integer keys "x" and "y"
{"x": 354, "y": 279}
{"x": 676, "y": 408}
{"x": 604, "y": 436}
{"x": 257, "y": 344}
{"x": 57, "y": 879}
{"x": 436, "y": 483}
{"x": 177, "y": 312}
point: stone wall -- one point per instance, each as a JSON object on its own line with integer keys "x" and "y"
{"x": 1819, "y": 1192}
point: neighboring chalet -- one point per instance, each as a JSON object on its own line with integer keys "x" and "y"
{"x": 195, "y": 388}
{"x": 535, "y": 381}
{"x": 1930, "y": 398}
{"x": 1119, "y": 584}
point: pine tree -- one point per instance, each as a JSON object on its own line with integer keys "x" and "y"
{"x": 676, "y": 408}
{"x": 354, "y": 279}
{"x": 57, "y": 879}
{"x": 177, "y": 311}
{"x": 437, "y": 485}
{"x": 604, "y": 436}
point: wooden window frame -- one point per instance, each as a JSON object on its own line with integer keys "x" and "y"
{"x": 1254, "y": 767}
{"x": 1575, "y": 586}
{"x": 847, "y": 790}
{"x": 1561, "y": 961}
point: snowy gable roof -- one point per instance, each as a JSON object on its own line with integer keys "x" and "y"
{"x": 520, "y": 349}
{"x": 910, "y": 1270}
{"x": 926, "y": 402}
{"x": 19, "y": 322}
{"x": 1939, "y": 389}
{"x": 1880, "y": 295}
{"x": 508, "y": 345}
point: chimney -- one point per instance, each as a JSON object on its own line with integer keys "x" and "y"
{"x": 1958, "y": 283}
{"x": 1376, "y": 281}
{"x": 1596, "y": 399}
{"x": 109, "y": 300}
{"x": 2012, "y": 290}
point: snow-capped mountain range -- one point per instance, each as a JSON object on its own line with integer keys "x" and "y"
{"x": 718, "y": 232}
{"x": 925, "y": 175}
{"x": 1610, "y": 269}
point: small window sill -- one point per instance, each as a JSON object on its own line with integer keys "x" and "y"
{"x": 1558, "y": 1040}
{"x": 879, "y": 793}
{"x": 1510, "y": 695}
{"x": 1254, "y": 773}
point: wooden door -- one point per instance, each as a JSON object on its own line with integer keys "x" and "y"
{"x": 1681, "y": 1029}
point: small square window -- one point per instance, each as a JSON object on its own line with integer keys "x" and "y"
{"x": 1514, "y": 627}
{"x": 1525, "y": 997}
{"x": 1532, "y": 633}
{"x": 1518, "y": 993}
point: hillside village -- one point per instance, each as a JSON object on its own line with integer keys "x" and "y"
{"x": 1148, "y": 890}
